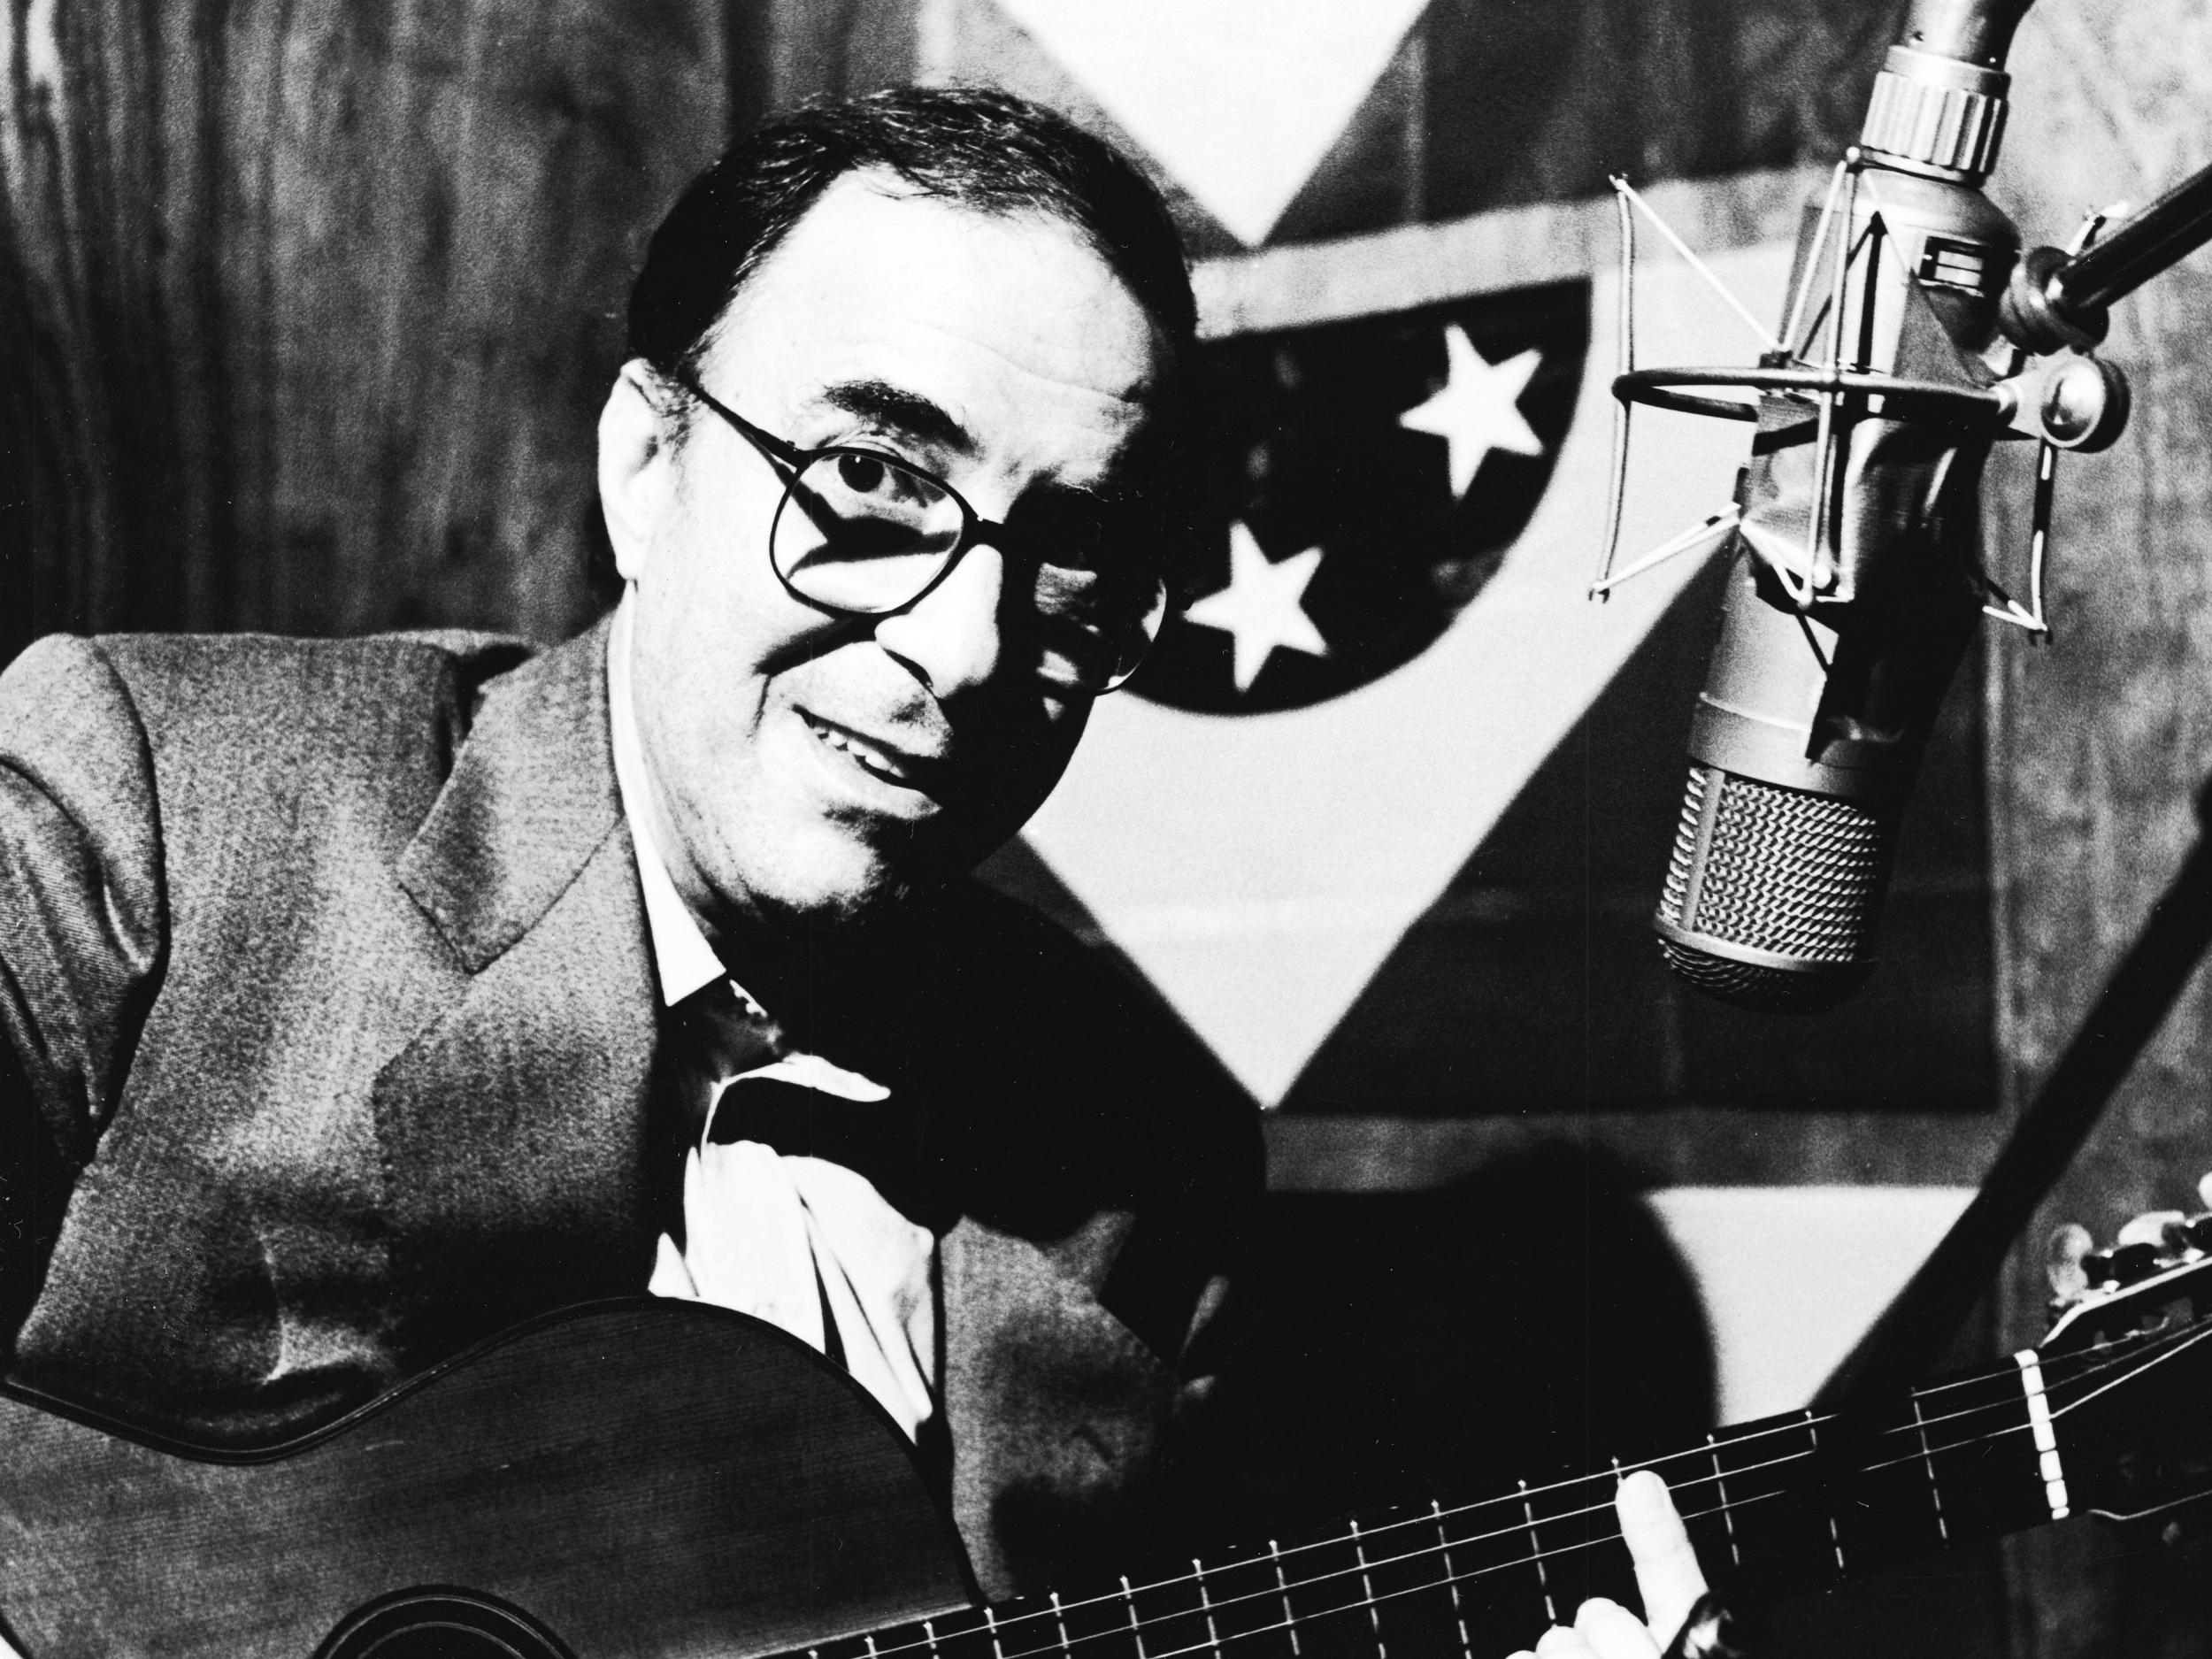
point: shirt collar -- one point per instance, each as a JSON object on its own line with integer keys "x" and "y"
{"x": 685, "y": 960}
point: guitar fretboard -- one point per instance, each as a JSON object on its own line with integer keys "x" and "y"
{"x": 1792, "y": 1502}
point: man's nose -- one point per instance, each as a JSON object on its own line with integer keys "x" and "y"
{"x": 951, "y": 637}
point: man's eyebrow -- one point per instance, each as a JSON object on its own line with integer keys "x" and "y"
{"x": 908, "y": 413}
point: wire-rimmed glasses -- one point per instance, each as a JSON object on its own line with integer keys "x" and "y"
{"x": 863, "y": 532}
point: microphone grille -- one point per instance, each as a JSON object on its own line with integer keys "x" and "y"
{"x": 1771, "y": 893}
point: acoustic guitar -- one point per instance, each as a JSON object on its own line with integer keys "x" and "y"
{"x": 644, "y": 1478}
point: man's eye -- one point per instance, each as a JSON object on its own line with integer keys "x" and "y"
{"x": 864, "y": 475}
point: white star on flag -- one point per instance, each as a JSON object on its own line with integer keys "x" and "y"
{"x": 1260, "y": 608}
{"x": 1476, "y": 410}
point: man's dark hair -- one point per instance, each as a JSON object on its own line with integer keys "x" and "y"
{"x": 982, "y": 149}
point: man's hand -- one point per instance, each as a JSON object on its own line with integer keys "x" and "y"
{"x": 1667, "y": 1577}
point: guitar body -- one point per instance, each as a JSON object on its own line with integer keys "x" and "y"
{"x": 625, "y": 1481}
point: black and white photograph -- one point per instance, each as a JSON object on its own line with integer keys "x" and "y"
{"x": 1106, "y": 829}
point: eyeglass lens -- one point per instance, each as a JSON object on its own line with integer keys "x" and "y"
{"x": 857, "y": 532}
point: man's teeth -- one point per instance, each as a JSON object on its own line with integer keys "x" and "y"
{"x": 874, "y": 759}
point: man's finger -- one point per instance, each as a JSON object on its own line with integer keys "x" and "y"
{"x": 1612, "y": 1632}
{"x": 1563, "y": 1642}
{"x": 1667, "y": 1573}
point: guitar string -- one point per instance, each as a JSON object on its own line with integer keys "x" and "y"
{"x": 2007, "y": 1395}
{"x": 2191, "y": 1340}
{"x": 2135, "y": 1366}
{"x": 2085, "y": 1364}
{"x": 2004, "y": 1385}
{"x": 1367, "y": 1602}
{"x": 1215, "y": 1642}
{"x": 1140, "y": 1622}
{"x": 1432, "y": 1518}
{"x": 2088, "y": 1364}
{"x": 1452, "y": 1579}
{"x": 1728, "y": 1506}
{"x": 2132, "y": 1366}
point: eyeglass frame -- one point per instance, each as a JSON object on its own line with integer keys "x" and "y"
{"x": 974, "y": 526}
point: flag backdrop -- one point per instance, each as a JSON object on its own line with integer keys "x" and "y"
{"x": 1383, "y": 821}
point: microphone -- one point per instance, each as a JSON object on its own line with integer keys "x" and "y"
{"x": 1855, "y": 580}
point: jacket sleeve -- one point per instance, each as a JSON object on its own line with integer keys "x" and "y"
{"x": 82, "y": 922}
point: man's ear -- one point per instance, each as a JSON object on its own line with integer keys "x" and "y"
{"x": 635, "y": 471}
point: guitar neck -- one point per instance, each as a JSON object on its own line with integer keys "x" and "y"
{"x": 1790, "y": 1503}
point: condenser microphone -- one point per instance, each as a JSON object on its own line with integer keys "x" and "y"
{"x": 1854, "y": 584}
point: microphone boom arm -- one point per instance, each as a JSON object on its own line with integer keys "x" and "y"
{"x": 2058, "y": 299}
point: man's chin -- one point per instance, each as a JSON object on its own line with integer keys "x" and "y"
{"x": 845, "y": 911}
{"x": 852, "y": 900}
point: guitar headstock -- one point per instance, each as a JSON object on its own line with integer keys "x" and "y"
{"x": 2127, "y": 1364}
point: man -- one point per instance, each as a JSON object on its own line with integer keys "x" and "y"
{"x": 365, "y": 997}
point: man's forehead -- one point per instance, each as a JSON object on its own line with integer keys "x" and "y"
{"x": 877, "y": 285}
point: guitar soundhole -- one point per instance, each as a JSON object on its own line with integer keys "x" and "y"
{"x": 441, "y": 1623}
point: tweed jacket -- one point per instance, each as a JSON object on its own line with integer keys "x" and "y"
{"x": 332, "y": 1018}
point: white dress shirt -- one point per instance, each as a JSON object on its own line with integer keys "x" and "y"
{"x": 782, "y": 1237}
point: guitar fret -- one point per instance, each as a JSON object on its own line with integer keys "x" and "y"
{"x": 1282, "y": 1585}
{"x": 1927, "y": 1459}
{"x": 1206, "y": 1606}
{"x": 1060, "y": 1622}
{"x": 1367, "y": 1590}
{"x": 1976, "y": 1428}
{"x": 929, "y": 1635}
{"x": 1451, "y": 1577}
{"x": 991, "y": 1620}
{"x": 1835, "y": 1537}
{"x": 1727, "y": 1509}
{"x": 1536, "y": 1553}
{"x": 1136, "y": 1628}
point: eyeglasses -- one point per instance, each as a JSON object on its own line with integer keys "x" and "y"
{"x": 864, "y": 534}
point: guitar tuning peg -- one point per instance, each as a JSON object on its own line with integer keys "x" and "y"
{"x": 2070, "y": 1245}
{"x": 2161, "y": 1229}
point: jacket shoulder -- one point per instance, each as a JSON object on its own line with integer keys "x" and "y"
{"x": 186, "y": 675}
{"x": 239, "y": 710}
{"x": 240, "y": 750}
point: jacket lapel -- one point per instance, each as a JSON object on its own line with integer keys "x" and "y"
{"x": 514, "y": 1128}
{"x": 531, "y": 798}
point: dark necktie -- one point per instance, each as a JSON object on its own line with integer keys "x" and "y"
{"x": 720, "y": 1034}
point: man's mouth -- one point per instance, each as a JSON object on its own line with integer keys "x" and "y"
{"x": 878, "y": 759}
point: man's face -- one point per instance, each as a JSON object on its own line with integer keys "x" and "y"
{"x": 804, "y": 764}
